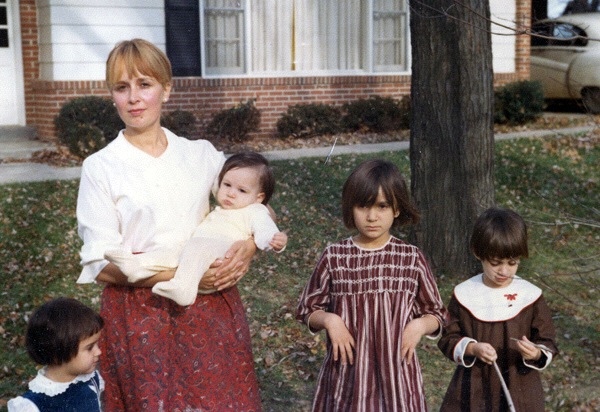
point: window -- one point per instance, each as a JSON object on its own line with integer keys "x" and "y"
{"x": 3, "y": 24}
{"x": 287, "y": 37}
{"x": 558, "y": 34}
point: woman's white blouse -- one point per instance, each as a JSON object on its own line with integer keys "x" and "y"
{"x": 131, "y": 200}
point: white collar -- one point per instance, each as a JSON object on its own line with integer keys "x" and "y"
{"x": 42, "y": 384}
{"x": 496, "y": 304}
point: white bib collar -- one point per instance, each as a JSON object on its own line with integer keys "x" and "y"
{"x": 496, "y": 304}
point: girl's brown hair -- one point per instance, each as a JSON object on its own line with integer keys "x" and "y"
{"x": 56, "y": 328}
{"x": 362, "y": 187}
{"x": 138, "y": 55}
{"x": 499, "y": 234}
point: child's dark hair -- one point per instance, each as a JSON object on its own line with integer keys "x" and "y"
{"x": 499, "y": 234}
{"x": 56, "y": 328}
{"x": 362, "y": 187}
{"x": 255, "y": 161}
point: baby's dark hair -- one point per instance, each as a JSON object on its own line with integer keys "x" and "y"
{"x": 57, "y": 327}
{"x": 255, "y": 161}
{"x": 499, "y": 234}
{"x": 362, "y": 187}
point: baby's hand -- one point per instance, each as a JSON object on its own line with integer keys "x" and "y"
{"x": 527, "y": 350}
{"x": 279, "y": 241}
{"x": 484, "y": 352}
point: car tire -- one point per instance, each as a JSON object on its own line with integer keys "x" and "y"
{"x": 591, "y": 99}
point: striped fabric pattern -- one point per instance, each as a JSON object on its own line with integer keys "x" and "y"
{"x": 376, "y": 293}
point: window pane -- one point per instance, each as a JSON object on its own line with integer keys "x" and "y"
{"x": 224, "y": 37}
{"x": 329, "y": 35}
{"x": 3, "y": 18}
{"x": 272, "y": 31}
{"x": 390, "y": 29}
{"x": 3, "y": 37}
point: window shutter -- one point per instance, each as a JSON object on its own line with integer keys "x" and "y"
{"x": 182, "y": 24}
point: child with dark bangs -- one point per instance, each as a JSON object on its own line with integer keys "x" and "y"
{"x": 498, "y": 319}
{"x": 62, "y": 335}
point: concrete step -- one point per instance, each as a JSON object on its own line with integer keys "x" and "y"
{"x": 19, "y": 142}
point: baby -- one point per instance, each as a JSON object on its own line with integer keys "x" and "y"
{"x": 246, "y": 184}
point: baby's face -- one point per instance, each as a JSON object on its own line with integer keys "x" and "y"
{"x": 239, "y": 188}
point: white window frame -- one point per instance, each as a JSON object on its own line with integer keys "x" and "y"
{"x": 367, "y": 57}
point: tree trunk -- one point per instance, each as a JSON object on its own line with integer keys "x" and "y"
{"x": 451, "y": 134}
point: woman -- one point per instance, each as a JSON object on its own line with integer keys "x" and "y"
{"x": 149, "y": 189}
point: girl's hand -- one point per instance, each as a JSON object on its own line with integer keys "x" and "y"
{"x": 527, "y": 350}
{"x": 414, "y": 331}
{"x": 482, "y": 351}
{"x": 342, "y": 341}
{"x": 234, "y": 265}
{"x": 411, "y": 336}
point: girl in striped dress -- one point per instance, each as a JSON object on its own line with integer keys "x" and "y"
{"x": 376, "y": 297}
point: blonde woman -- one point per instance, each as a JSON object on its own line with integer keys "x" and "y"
{"x": 149, "y": 189}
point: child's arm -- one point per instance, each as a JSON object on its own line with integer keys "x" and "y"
{"x": 342, "y": 341}
{"x": 279, "y": 241}
{"x": 414, "y": 331}
{"x": 112, "y": 274}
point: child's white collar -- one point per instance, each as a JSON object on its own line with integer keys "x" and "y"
{"x": 496, "y": 304}
{"x": 42, "y": 384}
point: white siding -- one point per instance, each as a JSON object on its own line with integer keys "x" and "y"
{"x": 77, "y": 35}
{"x": 503, "y": 39}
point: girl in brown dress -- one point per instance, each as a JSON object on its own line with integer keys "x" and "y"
{"x": 498, "y": 317}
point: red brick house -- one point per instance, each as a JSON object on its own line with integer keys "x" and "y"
{"x": 279, "y": 52}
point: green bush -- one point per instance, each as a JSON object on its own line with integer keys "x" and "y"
{"x": 87, "y": 124}
{"x": 180, "y": 122}
{"x": 518, "y": 102}
{"x": 235, "y": 124}
{"x": 306, "y": 120}
{"x": 377, "y": 114}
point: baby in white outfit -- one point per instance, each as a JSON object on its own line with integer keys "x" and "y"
{"x": 246, "y": 184}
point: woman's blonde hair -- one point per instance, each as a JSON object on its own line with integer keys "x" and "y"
{"x": 138, "y": 56}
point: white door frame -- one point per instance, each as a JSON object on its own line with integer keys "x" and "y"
{"x": 15, "y": 54}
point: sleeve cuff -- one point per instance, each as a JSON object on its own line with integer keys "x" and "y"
{"x": 459, "y": 353}
{"x": 541, "y": 363}
{"x": 440, "y": 328}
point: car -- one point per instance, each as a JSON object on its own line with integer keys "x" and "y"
{"x": 565, "y": 58}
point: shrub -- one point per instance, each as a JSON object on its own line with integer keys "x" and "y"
{"x": 235, "y": 124}
{"x": 87, "y": 124}
{"x": 518, "y": 102}
{"x": 377, "y": 114}
{"x": 306, "y": 120}
{"x": 180, "y": 122}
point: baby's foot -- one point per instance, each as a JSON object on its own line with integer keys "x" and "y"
{"x": 177, "y": 291}
{"x": 130, "y": 264}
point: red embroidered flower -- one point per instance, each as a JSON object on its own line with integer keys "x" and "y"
{"x": 511, "y": 296}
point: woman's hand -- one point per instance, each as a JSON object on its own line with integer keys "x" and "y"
{"x": 226, "y": 272}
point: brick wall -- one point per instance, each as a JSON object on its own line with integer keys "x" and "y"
{"x": 204, "y": 97}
